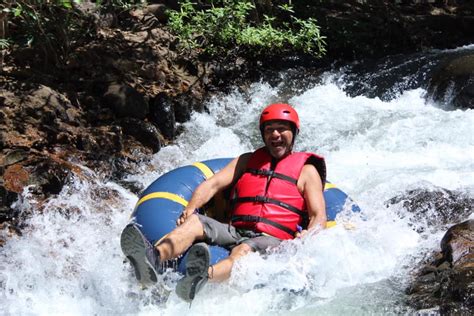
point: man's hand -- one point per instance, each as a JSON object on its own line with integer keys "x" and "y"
{"x": 301, "y": 233}
{"x": 182, "y": 218}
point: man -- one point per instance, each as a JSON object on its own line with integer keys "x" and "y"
{"x": 275, "y": 194}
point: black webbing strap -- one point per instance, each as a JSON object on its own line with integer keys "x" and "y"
{"x": 257, "y": 219}
{"x": 264, "y": 199}
{"x": 272, "y": 174}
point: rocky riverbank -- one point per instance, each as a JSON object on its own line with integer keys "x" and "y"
{"x": 118, "y": 97}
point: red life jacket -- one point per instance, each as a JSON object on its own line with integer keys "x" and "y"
{"x": 266, "y": 198}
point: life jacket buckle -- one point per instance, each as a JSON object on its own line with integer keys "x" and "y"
{"x": 261, "y": 198}
{"x": 264, "y": 172}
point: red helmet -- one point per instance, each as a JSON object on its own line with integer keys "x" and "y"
{"x": 280, "y": 111}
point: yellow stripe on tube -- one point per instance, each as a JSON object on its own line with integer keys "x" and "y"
{"x": 328, "y": 186}
{"x": 206, "y": 171}
{"x": 163, "y": 195}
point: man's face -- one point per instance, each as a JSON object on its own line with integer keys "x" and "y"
{"x": 278, "y": 138}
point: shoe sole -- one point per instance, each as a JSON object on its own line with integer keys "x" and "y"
{"x": 133, "y": 246}
{"x": 195, "y": 279}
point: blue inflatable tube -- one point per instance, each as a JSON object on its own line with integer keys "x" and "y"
{"x": 161, "y": 204}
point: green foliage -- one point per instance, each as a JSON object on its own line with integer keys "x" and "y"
{"x": 4, "y": 44}
{"x": 115, "y": 5}
{"x": 227, "y": 25}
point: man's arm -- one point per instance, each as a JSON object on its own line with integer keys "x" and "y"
{"x": 311, "y": 185}
{"x": 219, "y": 181}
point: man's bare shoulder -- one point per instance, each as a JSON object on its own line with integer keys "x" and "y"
{"x": 309, "y": 168}
{"x": 309, "y": 176}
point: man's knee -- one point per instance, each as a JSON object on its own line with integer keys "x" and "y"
{"x": 193, "y": 223}
{"x": 193, "y": 218}
{"x": 240, "y": 250}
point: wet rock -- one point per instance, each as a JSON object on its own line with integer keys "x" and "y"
{"x": 449, "y": 291}
{"x": 458, "y": 292}
{"x": 49, "y": 175}
{"x": 182, "y": 110}
{"x": 45, "y": 174}
{"x": 133, "y": 186}
{"x": 143, "y": 131}
{"x": 448, "y": 281}
{"x": 388, "y": 77}
{"x": 431, "y": 209}
{"x": 34, "y": 118}
{"x": 184, "y": 104}
{"x": 457, "y": 245}
{"x": 6, "y": 199}
{"x": 452, "y": 84}
{"x": 47, "y": 105}
{"x": 15, "y": 178}
{"x": 159, "y": 11}
{"x": 14, "y": 156}
{"x": 125, "y": 101}
{"x": 104, "y": 140}
{"x": 162, "y": 114}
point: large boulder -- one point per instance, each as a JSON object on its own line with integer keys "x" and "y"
{"x": 457, "y": 245}
{"x": 446, "y": 284}
{"x": 452, "y": 84}
{"x": 144, "y": 132}
{"x": 443, "y": 283}
{"x": 162, "y": 114}
{"x": 126, "y": 101}
{"x": 432, "y": 209}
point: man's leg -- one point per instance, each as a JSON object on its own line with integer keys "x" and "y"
{"x": 181, "y": 238}
{"x": 221, "y": 270}
{"x": 140, "y": 252}
{"x": 198, "y": 271}
{"x": 146, "y": 259}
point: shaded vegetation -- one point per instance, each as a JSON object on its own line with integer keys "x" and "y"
{"x": 54, "y": 29}
{"x": 226, "y": 25}
{"x": 221, "y": 27}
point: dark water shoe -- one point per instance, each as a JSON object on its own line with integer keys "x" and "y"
{"x": 197, "y": 265}
{"x": 143, "y": 256}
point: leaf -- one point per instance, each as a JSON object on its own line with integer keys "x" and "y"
{"x": 18, "y": 10}
{"x": 4, "y": 43}
{"x": 67, "y": 4}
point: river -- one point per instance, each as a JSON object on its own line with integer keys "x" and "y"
{"x": 68, "y": 260}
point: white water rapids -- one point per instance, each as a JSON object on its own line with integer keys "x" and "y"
{"x": 68, "y": 260}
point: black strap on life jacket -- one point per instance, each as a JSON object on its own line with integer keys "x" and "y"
{"x": 258, "y": 219}
{"x": 271, "y": 174}
{"x": 264, "y": 199}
